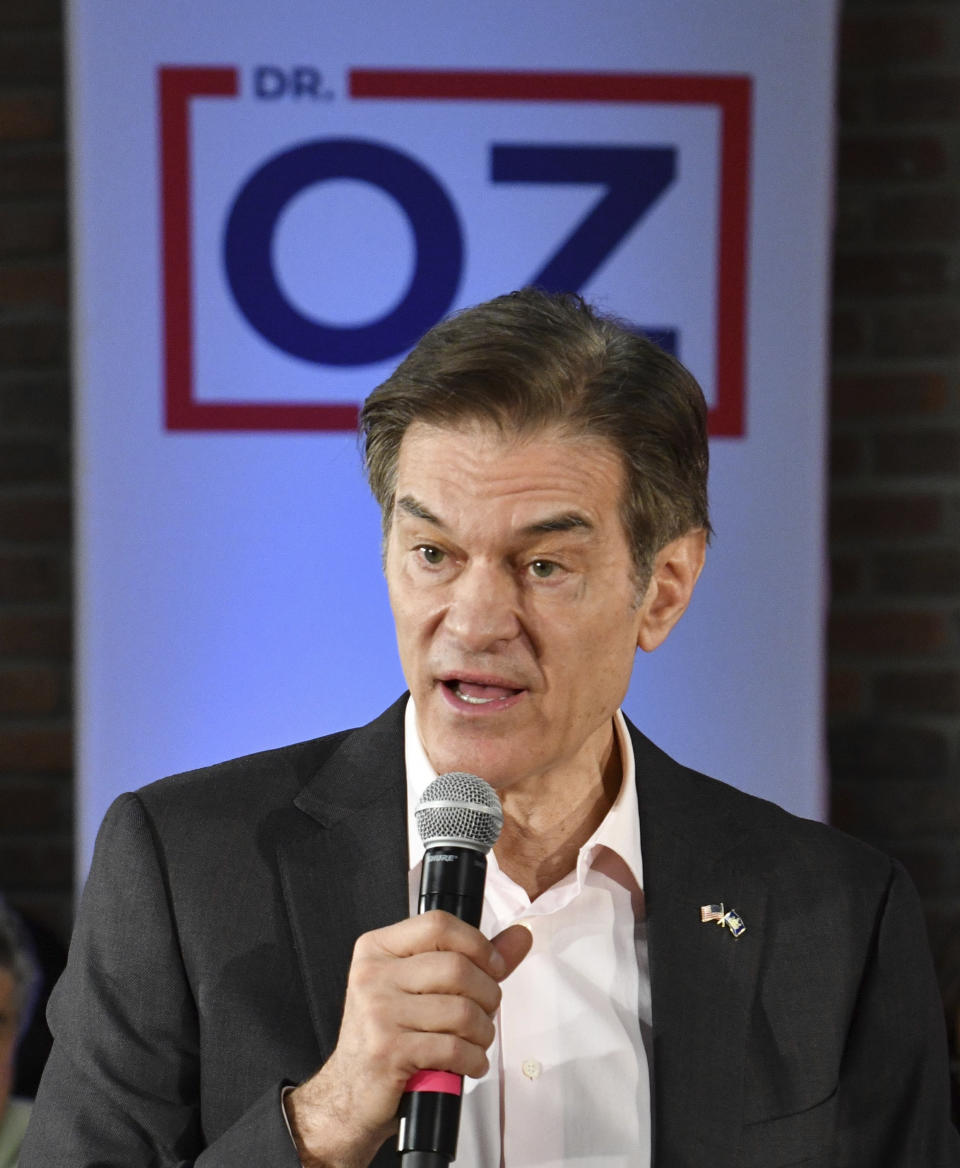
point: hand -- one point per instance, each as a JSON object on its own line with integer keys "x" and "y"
{"x": 421, "y": 995}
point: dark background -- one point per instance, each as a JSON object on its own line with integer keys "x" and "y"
{"x": 894, "y": 637}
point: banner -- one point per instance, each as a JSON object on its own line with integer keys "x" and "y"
{"x": 269, "y": 208}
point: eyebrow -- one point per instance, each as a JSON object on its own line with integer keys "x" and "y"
{"x": 416, "y": 510}
{"x": 569, "y": 521}
{"x": 566, "y": 521}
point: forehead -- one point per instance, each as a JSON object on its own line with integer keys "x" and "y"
{"x": 480, "y": 462}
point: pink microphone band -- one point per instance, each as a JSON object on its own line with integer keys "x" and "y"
{"x": 446, "y": 1082}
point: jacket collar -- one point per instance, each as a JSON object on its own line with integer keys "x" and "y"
{"x": 343, "y": 862}
{"x": 696, "y": 851}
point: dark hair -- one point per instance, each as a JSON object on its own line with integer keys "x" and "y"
{"x": 531, "y": 360}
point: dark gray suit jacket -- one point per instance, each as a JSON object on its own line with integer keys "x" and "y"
{"x": 211, "y": 950}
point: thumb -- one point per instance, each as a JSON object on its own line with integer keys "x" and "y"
{"x": 513, "y": 945}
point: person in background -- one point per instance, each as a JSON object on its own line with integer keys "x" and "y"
{"x": 18, "y": 976}
{"x": 33, "y": 1048}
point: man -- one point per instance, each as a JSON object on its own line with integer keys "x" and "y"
{"x": 17, "y": 981}
{"x": 679, "y": 974}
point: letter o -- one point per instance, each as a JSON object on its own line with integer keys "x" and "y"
{"x": 248, "y": 244}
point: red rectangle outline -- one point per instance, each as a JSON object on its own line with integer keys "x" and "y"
{"x": 179, "y": 85}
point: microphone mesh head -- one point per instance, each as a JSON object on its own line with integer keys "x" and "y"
{"x": 459, "y": 809}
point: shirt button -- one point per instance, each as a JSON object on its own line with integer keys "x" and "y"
{"x": 531, "y": 1068}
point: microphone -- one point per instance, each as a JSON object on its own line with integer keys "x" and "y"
{"x": 459, "y": 818}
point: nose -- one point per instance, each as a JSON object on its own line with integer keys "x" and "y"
{"x": 483, "y": 608}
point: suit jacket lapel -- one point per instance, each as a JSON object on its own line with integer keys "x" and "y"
{"x": 703, "y": 979}
{"x": 343, "y": 864}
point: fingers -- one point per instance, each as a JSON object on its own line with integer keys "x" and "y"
{"x": 439, "y": 931}
{"x": 449, "y": 973}
{"x": 430, "y": 1050}
{"x": 513, "y": 945}
{"x": 422, "y": 994}
{"x": 429, "y": 975}
{"x": 448, "y": 1014}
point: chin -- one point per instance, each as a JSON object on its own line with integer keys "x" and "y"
{"x": 497, "y": 756}
{"x": 500, "y": 773}
{"x": 452, "y": 757}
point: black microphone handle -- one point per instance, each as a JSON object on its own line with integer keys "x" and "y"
{"x": 452, "y": 879}
{"x": 423, "y": 1160}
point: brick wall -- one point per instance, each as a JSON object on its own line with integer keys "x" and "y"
{"x": 36, "y": 797}
{"x": 895, "y": 494}
{"x": 894, "y": 642}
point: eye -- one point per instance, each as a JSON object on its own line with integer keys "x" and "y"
{"x": 430, "y": 554}
{"x": 543, "y": 569}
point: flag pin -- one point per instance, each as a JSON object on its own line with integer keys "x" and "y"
{"x": 723, "y": 917}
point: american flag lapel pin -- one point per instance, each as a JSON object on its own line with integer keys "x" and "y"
{"x": 725, "y": 918}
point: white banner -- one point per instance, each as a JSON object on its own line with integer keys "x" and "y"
{"x": 271, "y": 207}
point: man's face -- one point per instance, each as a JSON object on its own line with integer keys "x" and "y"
{"x": 515, "y": 599}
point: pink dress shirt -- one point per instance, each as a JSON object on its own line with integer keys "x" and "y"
{"x": 569, "y": 1078}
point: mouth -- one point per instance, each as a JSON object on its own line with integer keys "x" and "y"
{"x": 473, "y": 694}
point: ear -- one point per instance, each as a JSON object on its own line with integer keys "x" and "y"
{"x": 675, "y": 572}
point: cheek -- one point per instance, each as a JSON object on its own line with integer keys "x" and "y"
{"x": 408, "y": 624}
{"x": 613, "y": 631}
{"x": 601, "y": 658}
{"x": 416, "y": 613}
{"x": 401, "y": 605}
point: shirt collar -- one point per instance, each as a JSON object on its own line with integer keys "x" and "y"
{"x": 619, "y": 830}
{"x": 419, "y": 775}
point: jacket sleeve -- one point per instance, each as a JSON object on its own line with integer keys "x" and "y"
{"x": 122, "y": 1088}
{"x": 893, "y": 1108}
